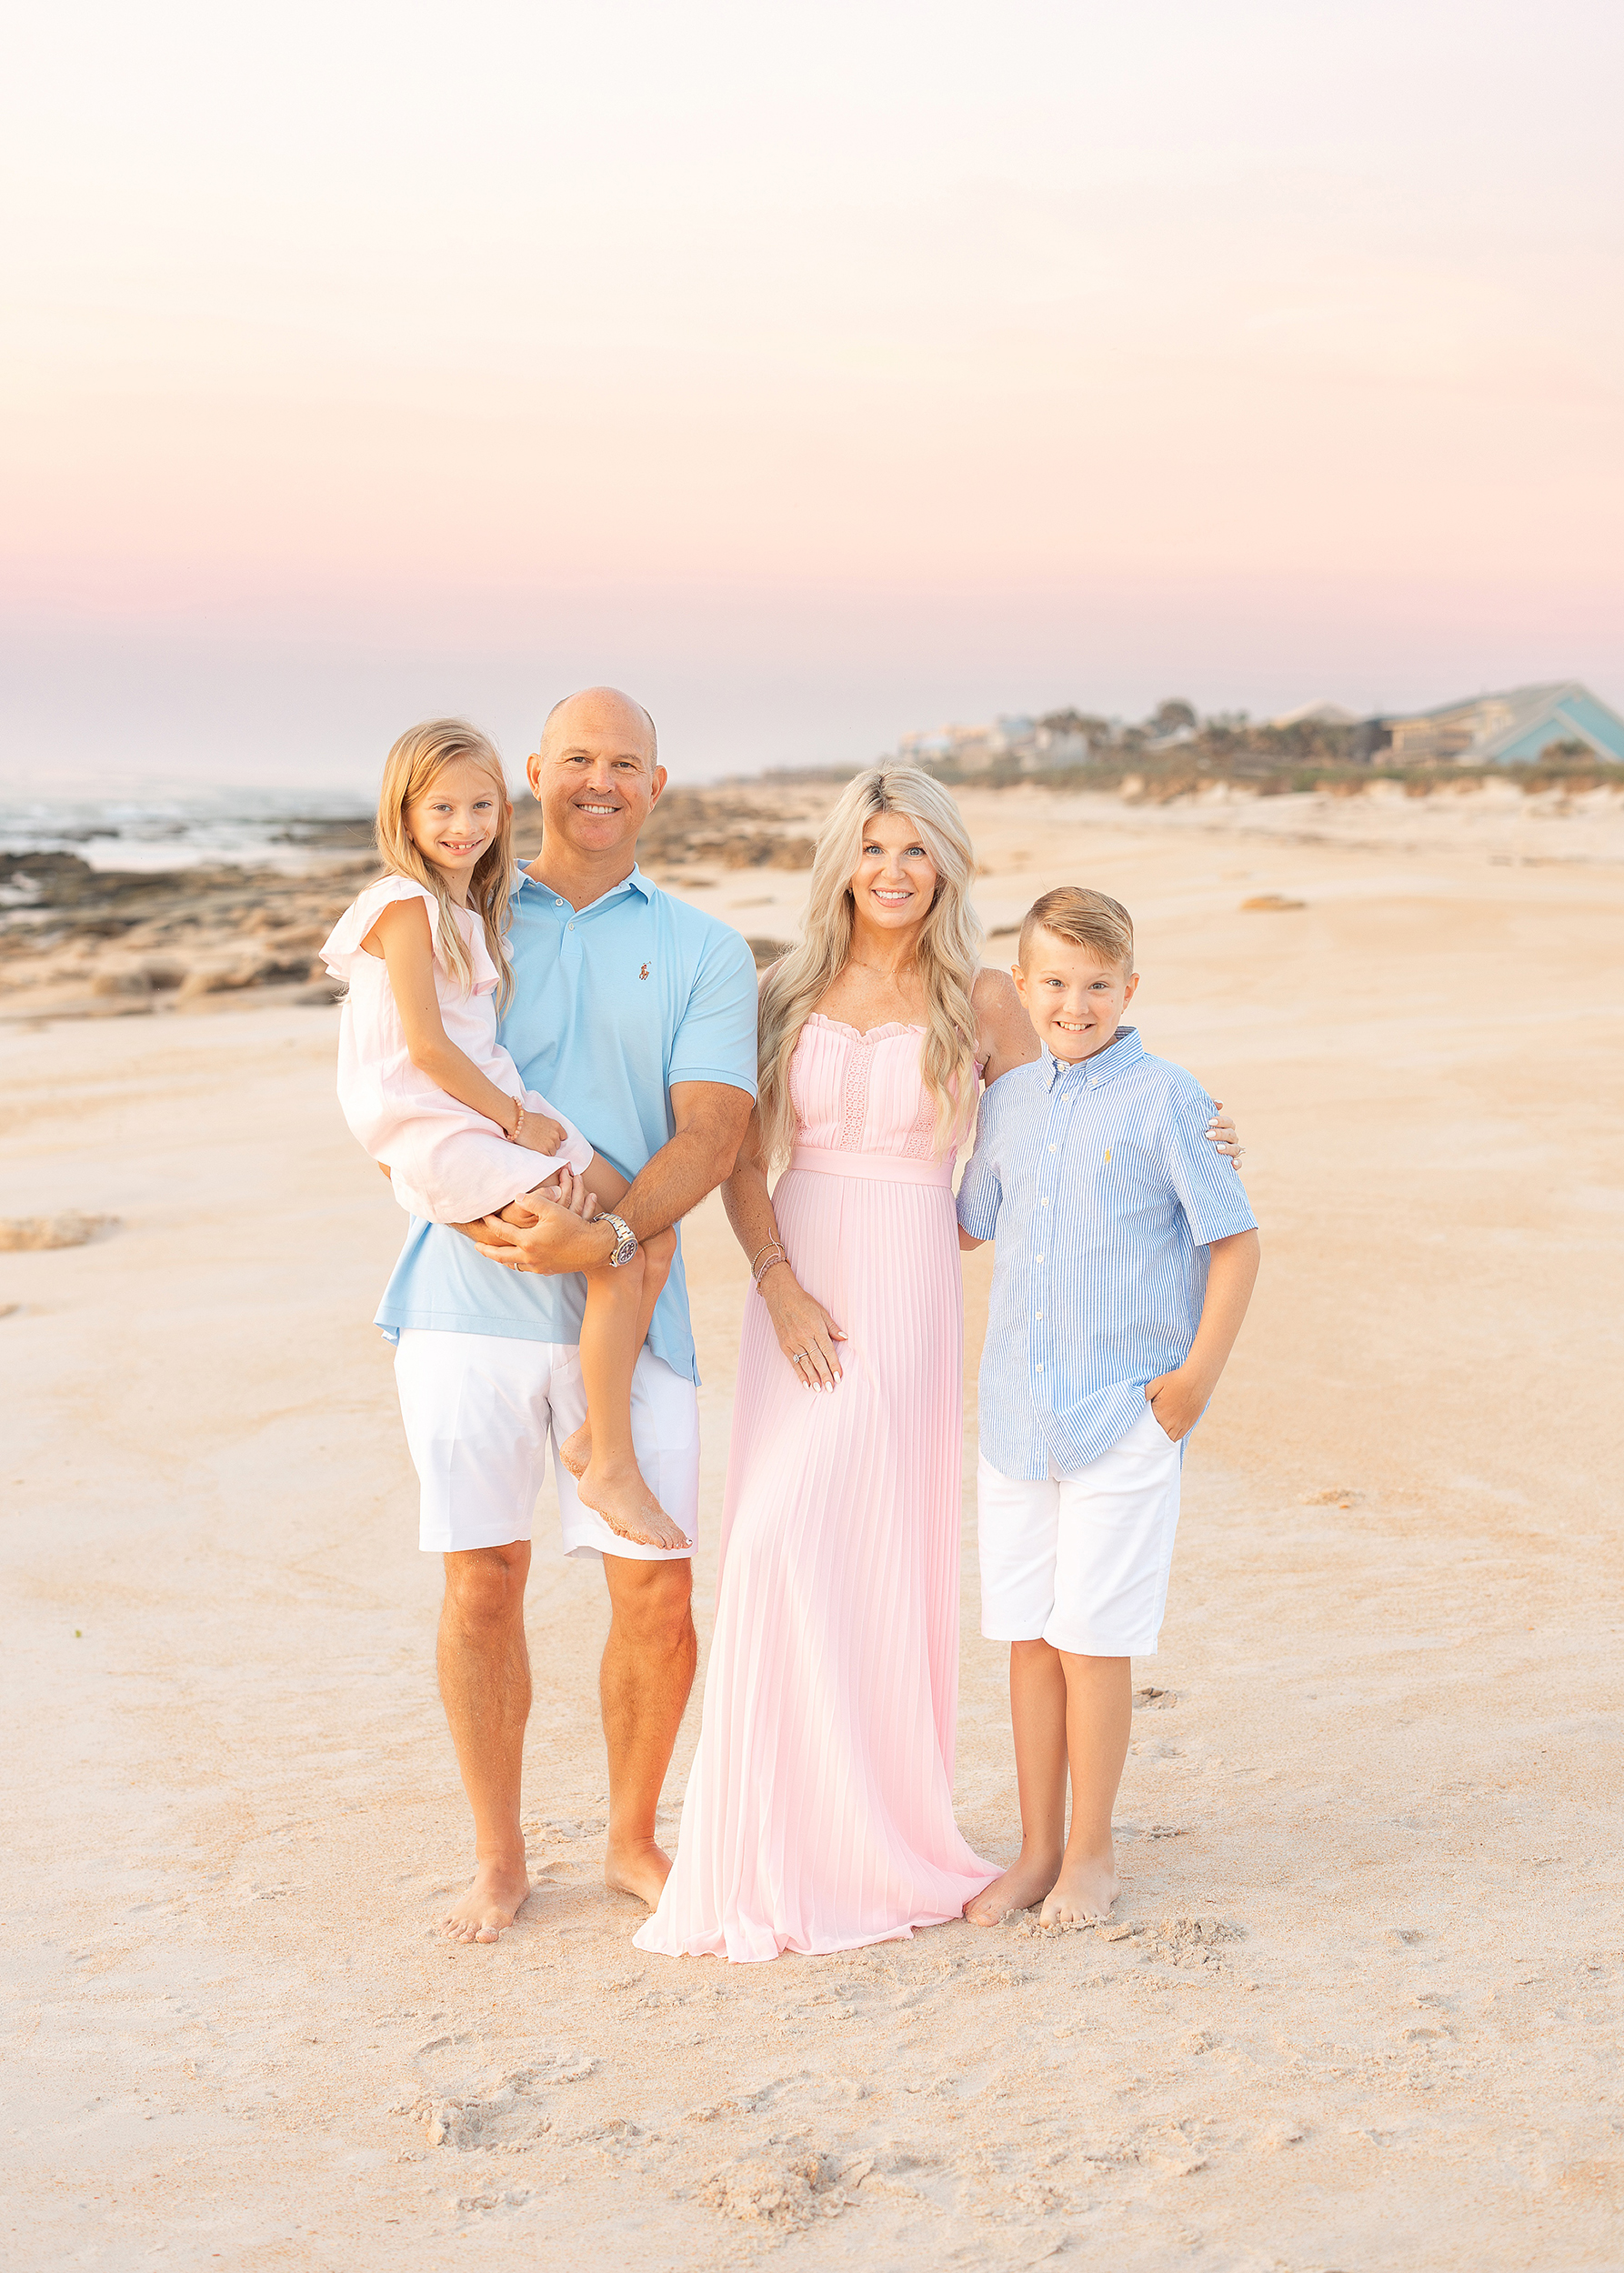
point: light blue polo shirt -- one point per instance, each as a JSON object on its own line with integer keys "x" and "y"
{"x": 611, "y": 1004}
{"x": 1099, "y": 1185}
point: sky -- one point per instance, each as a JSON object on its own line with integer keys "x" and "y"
{"x": 815, "y": 373}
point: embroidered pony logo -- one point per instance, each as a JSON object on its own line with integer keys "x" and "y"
{"x": 643, "y": 972}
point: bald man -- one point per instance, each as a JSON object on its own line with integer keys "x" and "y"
{"x": 637, "y": 1013}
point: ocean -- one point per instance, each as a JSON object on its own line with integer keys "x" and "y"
{"x": 260, "y": 827}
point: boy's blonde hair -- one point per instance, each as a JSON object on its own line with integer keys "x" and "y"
{"x": 1089, "y": 919}
{"x": 410, "y": 772}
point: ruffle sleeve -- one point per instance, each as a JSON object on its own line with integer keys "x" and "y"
{"x": 344, "y": 941}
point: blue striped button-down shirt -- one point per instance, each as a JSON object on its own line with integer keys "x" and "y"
{"x": 1099, "y": 1185}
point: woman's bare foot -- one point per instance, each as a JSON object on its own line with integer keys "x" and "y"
{"x": 1082, "y": 1893}
{"x": 1027, "y": 1879}
{"x": 575, "y": 1451}
{"x": 627, "y": 1506}
{"x": 637, "y": 1866}
{"x": 491, "y": 1903}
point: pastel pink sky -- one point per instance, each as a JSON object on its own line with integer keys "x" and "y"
{"x": 815, "y": 373}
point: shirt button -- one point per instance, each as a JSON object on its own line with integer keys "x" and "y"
{"x": 569, "y": 927}
{"x": 1037, "y": 1313}
{"x": 1041, "y": 1365}
{"x": 1037, "y": 1258}
{"x": 1053, "y": 1148}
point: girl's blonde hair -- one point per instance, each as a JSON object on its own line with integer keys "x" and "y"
{"x": 409, "y": 773}
{"x": 948, "y": 952}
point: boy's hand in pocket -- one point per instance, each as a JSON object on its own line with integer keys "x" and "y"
{"x": 1177, "y": 1400}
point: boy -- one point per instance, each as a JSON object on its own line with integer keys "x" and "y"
{"x": 1127, "y": 1254}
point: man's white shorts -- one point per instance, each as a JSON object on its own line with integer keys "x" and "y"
{"x": 1082, "y": 1561}
{"x": 479, "y": 1410}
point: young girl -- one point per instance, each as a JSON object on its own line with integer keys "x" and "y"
{"x": 438, "y": 1101}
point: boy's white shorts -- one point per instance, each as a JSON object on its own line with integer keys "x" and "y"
{"x": 1082, "y": 1561}
{"x": 478, "y": 1411}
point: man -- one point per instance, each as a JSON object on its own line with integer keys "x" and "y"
{"x": 637, "y": 1013}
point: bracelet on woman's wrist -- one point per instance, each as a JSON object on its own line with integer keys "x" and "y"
{"x": 772, "y": 1252}
{"x": 769, "y": 1266}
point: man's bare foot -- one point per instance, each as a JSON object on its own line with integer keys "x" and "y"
{"x": 491, "y": 1903}
{"x": 627, "y": 1506}
{"x": 1082, "y": 1893}
{"x": 637, "y": 1866}
{"x": 1027, "y": 1879}
{"x": 575, "y": 1451}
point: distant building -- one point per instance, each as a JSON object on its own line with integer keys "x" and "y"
{"x": 1319, "y": 714}
{"x": 1512, "y": 728}
{"x": 1033, "y": 744}
{"x": 1057, "y": 746}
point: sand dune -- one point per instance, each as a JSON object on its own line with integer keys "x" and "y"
{"x": 1363, "y": 2003}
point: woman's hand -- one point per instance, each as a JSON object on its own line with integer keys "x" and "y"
{"x": 1222, "y": 1136}
{"x": 806, "y": 1334}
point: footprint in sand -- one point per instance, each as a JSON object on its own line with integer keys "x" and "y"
{"x": 784, "y": 2195}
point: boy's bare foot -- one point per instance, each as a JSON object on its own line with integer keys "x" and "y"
{"x": 491, "y": 1903}
{"x": 627, "y": 1506}
{"x": 637, "y": 1866}
{"x": 1082, "y": 1893}
{"x": 1027, "y": 1879}
{"x": 575, "y": 1451}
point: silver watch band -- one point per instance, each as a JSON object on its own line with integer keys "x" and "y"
{"x": 626, "y": 1238}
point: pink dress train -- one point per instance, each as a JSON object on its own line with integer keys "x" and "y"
{"x": 820, "y": 1812}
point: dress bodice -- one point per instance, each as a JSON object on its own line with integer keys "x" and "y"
{"x": 861, "y": 1092}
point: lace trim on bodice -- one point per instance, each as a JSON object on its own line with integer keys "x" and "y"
{"x": 919, "y": 1144}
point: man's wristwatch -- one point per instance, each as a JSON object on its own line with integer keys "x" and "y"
{"x": 626, "y": 1239}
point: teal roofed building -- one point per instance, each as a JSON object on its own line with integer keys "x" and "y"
{"x": 1513, "y": 728}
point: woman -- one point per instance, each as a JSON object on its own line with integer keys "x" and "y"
{"x": 820, "y": 1810}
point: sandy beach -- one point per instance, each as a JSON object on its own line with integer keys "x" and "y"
{"x": 1362, "y": 2004}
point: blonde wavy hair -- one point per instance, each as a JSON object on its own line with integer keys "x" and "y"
{"x": 948, "y": 953}
{"x": 409, "y": 773}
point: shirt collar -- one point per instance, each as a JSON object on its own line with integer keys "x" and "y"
{"x": 1103, "y": 1066}
{"x": 635, "y": 881}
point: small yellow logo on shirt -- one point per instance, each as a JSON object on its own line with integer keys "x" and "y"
{"x": 1107, "y": 1155}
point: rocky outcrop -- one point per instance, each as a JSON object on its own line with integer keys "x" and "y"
{"x": 80, "y": 941}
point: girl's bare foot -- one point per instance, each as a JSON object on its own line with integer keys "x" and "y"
{"x": 627, "y": 1506}
{"x": 1082, "y": 1893}
{"x": 1027, "y": 1879}
{"x": 491, "y": 1903}
{"x": 575, "y": 1451}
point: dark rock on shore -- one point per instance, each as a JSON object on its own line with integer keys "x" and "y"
{"x": 80, "y": 941}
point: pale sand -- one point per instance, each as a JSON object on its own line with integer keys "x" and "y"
{"x": 1386, "y": 1771}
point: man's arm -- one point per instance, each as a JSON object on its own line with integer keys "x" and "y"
{"x": 711, "y": 1118}
{"x": 1180, "y": 1399}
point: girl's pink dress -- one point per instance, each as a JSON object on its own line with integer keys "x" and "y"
{"x": 447, "y": 1162}
{"x": 820, "y": 1811}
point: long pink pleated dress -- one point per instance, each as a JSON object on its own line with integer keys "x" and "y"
{"x": 820, "y": 1812}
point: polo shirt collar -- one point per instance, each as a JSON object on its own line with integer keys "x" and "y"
{"x": 635, "y": 881}
{"x": 1103, "y": 1066}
